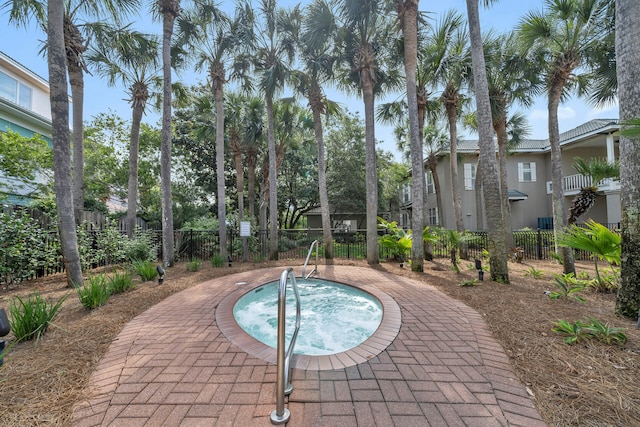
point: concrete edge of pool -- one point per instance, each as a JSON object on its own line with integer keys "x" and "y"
{"x": 371, "y": 347}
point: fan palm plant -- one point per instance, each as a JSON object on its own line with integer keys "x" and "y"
{"x": 597, "y": 239}
{"x": 595, "y": 170}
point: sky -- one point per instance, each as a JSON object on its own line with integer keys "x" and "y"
{"x": 23, "y": 46}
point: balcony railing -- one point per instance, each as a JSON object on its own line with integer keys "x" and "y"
{"x": 572, "y": 184}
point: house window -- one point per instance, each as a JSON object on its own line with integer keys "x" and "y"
{"x": 470, "y": 176}
{"x": 527, "y": 172}
{"x": 428, "y": 177}
{"x": 15, "y": 91}
{"x": 406, "y": 193}
{"x": 432, "y": 216}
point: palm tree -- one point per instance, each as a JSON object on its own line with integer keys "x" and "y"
{"x": 132, "y": 58}
{"x": 510, "y": 80}
{"x": 628, "y": 71}
{"x": 603, "y": 243}
{"x": 364, "y": 43}
{"x": 60, "y": 134}
{"x": 79, "y": 28}
{"x": 252, "y": 144}
{"x": 595, "y": 170}
{"x": 170, "y": 10}
{"x": 221, "y": 45}
{"x": 408, "y": 16}
{"x": 560, "y": 39}
{"x": 275, "y": 50}
{"x": 491, "y": 184}
{"x": 319, "y": 29}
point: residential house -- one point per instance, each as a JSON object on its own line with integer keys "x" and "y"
{"x": 528, "y": 180}
{"x": 25, "y": 109}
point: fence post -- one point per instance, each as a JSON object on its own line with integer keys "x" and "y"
{"x": 539, "y": 245}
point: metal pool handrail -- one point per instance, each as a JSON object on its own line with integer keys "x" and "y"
{"x": 304, "y": 268}
{"x": 283, "y": 387}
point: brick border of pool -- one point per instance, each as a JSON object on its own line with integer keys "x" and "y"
{"x": 172, "y": 366}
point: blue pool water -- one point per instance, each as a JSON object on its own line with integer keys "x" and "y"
{"x": 334, "y": 317}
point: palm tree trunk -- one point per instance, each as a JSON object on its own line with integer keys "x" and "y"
{"x": 491, "y": 185}
{"x": 134, "y": 145}
{"x": 436, "y": 188}
{"x": 478, "y": 191}
{"x": 168, "y": 17}
{"x": 371, "y": 174}
{"x": 409, "y": 22}
{"x": 273, "y": 185}
{"x": 76, "y": 81}
{"x": 61, "y": 150}
{"x": 251, "y": 184}
{"x": 558, "y": 205}
{"x": 327, "y": 237}
{"x": 452, "y": 117}
{"x": 501, "y": 131}
{"x": 222, "y": 209}
{"x": 628, "y": 54}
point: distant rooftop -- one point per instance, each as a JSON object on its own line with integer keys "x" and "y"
{"x": 592, "y": 127}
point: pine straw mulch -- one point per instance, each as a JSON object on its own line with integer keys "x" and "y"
{"x": 587, "y": 384}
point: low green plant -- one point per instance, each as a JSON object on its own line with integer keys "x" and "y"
{"x": 593, "y": 328}
{"x": 217, "y": 261}
{"x": 145, "y": 269}
{"x": 583, "y": 275}
{"x": 193, "y": 265}
{"x": 95, "y": 292}
{"x": 568, "y": 286}
{"x": 556, "y": 256}
{"x": 120, "y": 282}
{"x": 606, "y": 333}
{"x": 536, "y": 274}
{"x": 609, "y": 283}
{"x": 30, "y": 318}
{"x": 469, "y": 283}
{"x": 575, "y": 332}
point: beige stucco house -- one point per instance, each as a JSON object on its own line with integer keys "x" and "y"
{"x": 529, "y": 180}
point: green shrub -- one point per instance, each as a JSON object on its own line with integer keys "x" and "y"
{"x": 594, "y": 328}
{"x": 609, "y": 283}
{"x": 217, "y": 261}
{"x": 193, "y": 265}
{"x": 536, "y": 274}
{"x": 469, "y": 283}
{"x": 145, "y": 269}
{"x": 24, "y": 247}
{"x": 120, "y": 282}
{"x": 30, "y": 318}
{"x": 141, "y": 248}
{"x": 111, "y": 243}
{"x": 95, "y": 292}
{"x": 568, "y": 286}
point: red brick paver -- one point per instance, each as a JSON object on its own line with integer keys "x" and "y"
{"x": 174, "y": 366}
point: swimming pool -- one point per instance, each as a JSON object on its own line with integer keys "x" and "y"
{"x": 334, "y": 317}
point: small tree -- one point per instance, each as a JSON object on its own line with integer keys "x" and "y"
{"x": 597, "y": 170}
{"x": 603, "y": 243}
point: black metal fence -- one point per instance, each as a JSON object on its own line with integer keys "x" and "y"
{"x": 294, "y": 244}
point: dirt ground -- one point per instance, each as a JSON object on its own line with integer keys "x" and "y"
{"x": 586, "y": 384}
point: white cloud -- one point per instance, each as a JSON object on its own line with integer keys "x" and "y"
{"x": 566, "y": 113}
{"x": 609, "y": 111}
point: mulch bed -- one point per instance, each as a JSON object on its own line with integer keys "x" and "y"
{"x": 586, "y": 384}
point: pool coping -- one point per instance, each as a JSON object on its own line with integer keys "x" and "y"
{"x": 383, "y": 336}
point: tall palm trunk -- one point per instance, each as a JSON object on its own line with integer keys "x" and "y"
{"x": 170, "y": 10}
{"x": 491, "y": 184}
{"x": 76, "y": 81}
{"x": 478, "y": 191}
{"x": 61, "y": 150}
{"x": 628, "y": 70}
{"x": 451, "y": 106}
{"x": 252, "y": 159}
{"x": 327, "y": 237}
{"x": 273, "y": 185}
{"x": 222, "y": 210}
{"x": 408, "y": 12}
{"x": 558, "y": 205}
{"x": 134, "y": 148}
{"x": 75, "y": 47}
{"x": 371, "y": 174}
{"x": 500, "y": 127}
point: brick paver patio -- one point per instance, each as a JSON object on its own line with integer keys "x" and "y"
{"x": 174, "y": 366}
